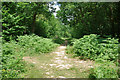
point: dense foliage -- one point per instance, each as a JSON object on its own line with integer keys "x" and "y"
{"x": 81, "y": 26}
{"x": 90, "y": 18}
{"x": 13, "y": 53}
{"x": 11, "y": 60}
{"x": 36, "y": 19}
{"x": 102, "y": 50}
{"x": 0, "y": 56}
{"x": 12, "y": 25}
{"x": 36, "y": 44}
{"x": 93, "y": 47}
{"x": 104, "y": 70}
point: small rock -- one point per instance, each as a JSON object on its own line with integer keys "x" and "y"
{"x": 57, "y": 58}
{"x": 91, "y": 66}
{"x": 34, "y": 62}
{"x": 52, "y": 76}
{"x": 61, "y": 77}
{"x": 52, "y": 65}
{"x": 41, "y": 66}
{"x": 47, "y": 73}
{"x": 65, "y": 57}
{"x": 81, "y": 62}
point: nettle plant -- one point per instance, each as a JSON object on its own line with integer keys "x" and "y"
{"x": 108, "y": 49}
{"x": 104, "y": 70}
{"x": 86, "y": 46}
{"x": 12, "y": 64}
{"x": 36, "y": 44}
{"x": 94, "y": 47}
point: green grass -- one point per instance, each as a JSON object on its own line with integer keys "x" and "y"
{"x": 73, "y": 72}
{"x": 34, "y": 70}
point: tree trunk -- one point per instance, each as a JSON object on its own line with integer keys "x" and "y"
{"x": 33, "y": 24}
{"x": 118, "y": 20}
{"x": 112, "y": 22}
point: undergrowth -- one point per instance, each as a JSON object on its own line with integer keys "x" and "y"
{"x": 36, "y": 44}
{"x": 101, "y": 50}
{"x": 94, "y": 47}
{"x": 104, "y": 70}
{"x": 13, "y": 52}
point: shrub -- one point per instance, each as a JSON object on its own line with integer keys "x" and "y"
{"x": 69, "y": 49}
{"x": 104, "y": 70}
{"x": 36, "y": 44}
{"x": 71, "y": 41}
{"x": 0, "y": 57}
{"x": 108, "y": 49}
{"x": 11, "y": 25}
{"x": 86, "y": 46}
{"x": 12, "y": 64}
{"x": 13, "y": 52}
{"x": 93, "y": 47}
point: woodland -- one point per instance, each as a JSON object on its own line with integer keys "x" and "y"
{"x": 80, "y": 31}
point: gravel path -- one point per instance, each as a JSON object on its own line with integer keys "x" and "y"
{"x": 60, "y": 62}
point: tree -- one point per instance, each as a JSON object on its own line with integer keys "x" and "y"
{"x": 87, "y": 18}
{"x": 20, "y": 18}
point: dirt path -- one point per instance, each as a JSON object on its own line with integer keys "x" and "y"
{"x": 58, "y": 65}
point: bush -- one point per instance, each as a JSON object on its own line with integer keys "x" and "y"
{"x": 108, "y": 49}
{"x": 86, "y": 46}
{"x": 93, "y": 47}
{"x": 36, "y": 44}
{"x": 71, "y": 41}
{"x": 12, "y": 64}
{"x": 104, "y": 70}
{"x": 14, "y": 51}
{"x": 119, "y": 61}
{"x": 11, "y": 25}
{"x": 69, "y": 49}
{"x": 0, "y": 57}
